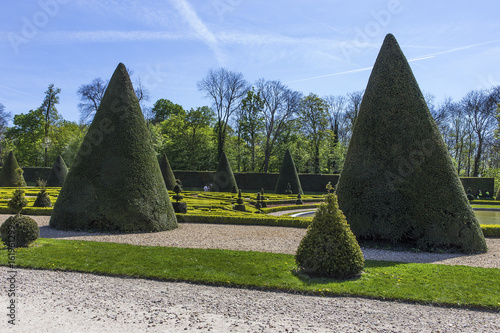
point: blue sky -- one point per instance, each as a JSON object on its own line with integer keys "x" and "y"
{"x": 326, "y": 47}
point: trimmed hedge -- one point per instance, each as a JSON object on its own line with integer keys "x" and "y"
{"x": 115, "y": 182}
{"x": 477, "y": 184}
{"x": 398, "y": 183}
{"x": 491, "y": 230}
{"x": 243, "y": 220}
{"x": 290, "y": 207}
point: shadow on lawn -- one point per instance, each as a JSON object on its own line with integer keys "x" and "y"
{"x": 48, "y": 232}
{"x": 312, "y": 280}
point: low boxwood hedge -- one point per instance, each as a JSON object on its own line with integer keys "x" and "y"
{"x": 491, "y": 230}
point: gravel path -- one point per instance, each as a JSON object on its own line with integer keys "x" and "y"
{"x": 49, "y": 301}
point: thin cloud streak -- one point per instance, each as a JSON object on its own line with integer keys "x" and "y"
{"x": 189, "y": 14}
{"x": 110, "y": 36}
{"x": 425, "y": 57}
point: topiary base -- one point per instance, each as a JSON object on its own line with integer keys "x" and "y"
{"x": 180, "y": 207}
{"x": 241, "y": 208}
{"x": 42, "y": 200}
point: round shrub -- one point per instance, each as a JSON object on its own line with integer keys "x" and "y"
{"x": 19, "y": 231}
{"x": 329, "y": 248}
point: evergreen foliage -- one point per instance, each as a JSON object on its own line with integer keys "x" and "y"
{"x": 42, "y": 197}
{"x": 497, "y": 197}
{"x": 288, "y": 175}
{"x": 115, "y": 182}
{"x": 179, "y": 207}
{"x": 398, "y": 183}
{"x": 329, "y": 248}
{"x": 167, "y": 173}
{"x": 19, "y": 231}
{"x": 18, "y": 201}
{"x": 8, "y": 176}
{"x": 58, "y": 173}
{"x": 224, "y": 180}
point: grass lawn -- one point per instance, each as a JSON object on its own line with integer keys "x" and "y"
{"x": 458, "y": 286}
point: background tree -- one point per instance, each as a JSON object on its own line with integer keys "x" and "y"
{"x": 226, "y": 89}
{"x": 314, "y": 120}
{"x": 188, "y": 139}
{"x": 480, "y": 108}
{"x": 4, "y": 121}
{"x": 281, "y": 104}
{"x": 164, "y": 108}
{"x": 251, "y": 121}
{"x": 338, "y": 131}
{"x": 354, "y": 100}
{"x": 50, "y": 115}
{"x": 90, "y": 98}
{"x": 26, "y": 136}
{"x": 91, "y": 95}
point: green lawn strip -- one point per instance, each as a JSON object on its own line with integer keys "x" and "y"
{"x": 458, "y": 286}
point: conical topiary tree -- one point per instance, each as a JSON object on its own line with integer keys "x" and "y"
{"x": 329, "y": 248}
{"x": 8, "y": 176}
{"x": 398, "y": 182}
{"x": 288, "y": 175}
{"x": 58, "y": 173}
{"x": 115, "y": 182}
{"x": 42, "y": 198}
{"x": 224, "y": 180}
{"x": 167, "y": 173}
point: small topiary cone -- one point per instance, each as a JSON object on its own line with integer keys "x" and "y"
{"x": 8, "y": 176}
{"x": 329, "y": 248}
{"x": 167, "y": 173}
{"x": 224, "y": 180}
{"x": 58, "y": 173}
{"x": 288, "y": 175}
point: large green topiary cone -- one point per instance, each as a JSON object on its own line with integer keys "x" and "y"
{"x": 398, "y": 183}
{"x": 115, "y": 182}
{"x": 8, "y": 176}
{"x": 288, "y": 175}
{"x": 329, "y": 248}
{"x": 224, "y": 180}
{"x": 167, "y": 173}
{"x": 58, "y": 173}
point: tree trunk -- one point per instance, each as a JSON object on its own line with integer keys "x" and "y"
{"x": 477, "y": 159}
